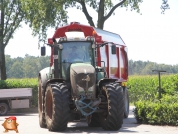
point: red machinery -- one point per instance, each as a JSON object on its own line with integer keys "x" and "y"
{"x": 116, "y": 65}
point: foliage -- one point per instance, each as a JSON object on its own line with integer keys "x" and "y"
{"x": 146, "y": 87}
{"x": 11, "y": 18}
{"x": 47, "y": 13}
{"x": 149, "y": 109}
{"x": 27, "y": 67}
{"x": 43, "y": 14}
{"x": 164, "y": 112}
{"x": 22, "y": 83}
{"x": 146, "y": 67}
{"x": 12, "y": 15}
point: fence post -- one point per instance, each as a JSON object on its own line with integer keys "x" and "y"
{"x": 159, "y": 80}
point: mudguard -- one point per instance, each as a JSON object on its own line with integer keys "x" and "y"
{"x": 105, "y": 80}
{"x": 44, "y": 76}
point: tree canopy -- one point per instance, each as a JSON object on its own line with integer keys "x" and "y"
{"x": 11, "y": 17}
{"x": 29, "y": 67}
{"x": 52, "y": 13}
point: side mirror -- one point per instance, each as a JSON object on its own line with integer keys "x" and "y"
{"x": 113, "y": 49}
{"x": 43, "y": 51}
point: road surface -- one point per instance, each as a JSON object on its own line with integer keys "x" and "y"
{"x": 28, "y": 124}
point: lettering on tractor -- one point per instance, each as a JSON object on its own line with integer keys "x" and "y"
{"x": 86, "y": 78}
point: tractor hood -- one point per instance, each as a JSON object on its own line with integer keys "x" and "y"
{"x": 83, "y": 79}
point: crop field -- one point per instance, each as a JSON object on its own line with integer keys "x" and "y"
{"x": 146, "y": 87}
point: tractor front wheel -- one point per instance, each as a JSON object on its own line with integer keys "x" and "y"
{"x": 57, "y": 107}
{"x": 94, "y": 120}
{"x": 113, "y": 119}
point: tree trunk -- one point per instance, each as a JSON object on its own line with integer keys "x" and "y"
{"x": 2, "y": 63}
{"x": 2, "y": 45}
{"x": 101, "y": 20}
{"x": 100, "y": 24}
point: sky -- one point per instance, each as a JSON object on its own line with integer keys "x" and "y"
{"x": 151, "y": 36}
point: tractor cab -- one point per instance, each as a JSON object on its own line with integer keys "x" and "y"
{"x": 71, "y": 50}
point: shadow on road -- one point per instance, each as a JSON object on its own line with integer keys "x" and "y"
{"x": 82, "y": 127}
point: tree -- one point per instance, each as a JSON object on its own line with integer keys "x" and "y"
{"x": 16, "y": 70}
{"x": 9, "y": 63}
{"x": 27, "y": 67}
{"x": 11, "y": 17}
{"x": 49, "y": 13}
{"x": 30, "y": 66}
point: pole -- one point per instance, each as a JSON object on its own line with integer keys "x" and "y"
{"x": 159, "y": 80}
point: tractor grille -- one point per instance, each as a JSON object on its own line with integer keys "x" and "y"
{"x": 81, "y": 80}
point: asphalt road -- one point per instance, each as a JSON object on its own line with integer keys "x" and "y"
{"x": 28, "y": 124}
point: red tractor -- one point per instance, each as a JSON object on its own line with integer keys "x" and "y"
{"x": 86, "y": 78}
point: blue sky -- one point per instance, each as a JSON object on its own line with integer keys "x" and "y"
{"x": 151, "y": 36}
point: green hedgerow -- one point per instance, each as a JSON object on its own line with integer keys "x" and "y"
{"x": 22, "y": 83}
{"x": 163, "y": 112}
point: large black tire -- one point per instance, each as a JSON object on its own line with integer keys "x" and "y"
{"x": 57, "y": 107}
{"x": 3, "y": 108}
{"x": 126, "y": 103}
{"x": 95, "y": 121}
{"x": 113, "y": 119}
{"x": 42, "y": 120}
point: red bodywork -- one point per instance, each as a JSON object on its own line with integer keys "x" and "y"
{"x": 116, "y": 65}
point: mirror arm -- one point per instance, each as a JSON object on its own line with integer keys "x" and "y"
{"x": 103, "y": 44}
{"x": 49, "y": 45}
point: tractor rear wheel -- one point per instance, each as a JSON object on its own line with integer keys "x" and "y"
{"x": 94, "y": 120}
{"x": 42, "y": 120}
{"x": 126, "y": 103}
{"x": 57, "y": 107}
{"x": 113, "y": 119}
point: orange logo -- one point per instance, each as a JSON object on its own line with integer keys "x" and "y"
{"x": 10, "y": 124}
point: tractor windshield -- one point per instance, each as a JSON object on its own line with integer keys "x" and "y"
{"x": 77, "y": 52}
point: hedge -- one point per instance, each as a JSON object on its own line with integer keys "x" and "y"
{"x": 143, "y": 92}
{"x": 163, "y": 112}
{"x": 22, "y": 83}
